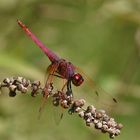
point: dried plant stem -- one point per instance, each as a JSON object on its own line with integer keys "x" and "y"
{"x": 90, "y": 114}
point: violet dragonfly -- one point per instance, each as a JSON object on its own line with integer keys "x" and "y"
{"x": 60, "y": 68}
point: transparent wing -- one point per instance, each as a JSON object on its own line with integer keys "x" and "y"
{"x": 58, "y": 114}
{"x": 97, "y": 94}
{"x": 58, "y": 84}
{"x": 52, "y": 70}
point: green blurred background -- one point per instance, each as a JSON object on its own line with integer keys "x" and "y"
{"x": 100, "y": 36}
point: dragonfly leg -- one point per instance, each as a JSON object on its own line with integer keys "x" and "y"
{"x": 57, "y": 76}
{"x": 69, "y": 89}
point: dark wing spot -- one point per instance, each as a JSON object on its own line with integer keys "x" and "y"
{"x": 115, "y": 100}
{"x": 61, "y": 116}
{"x": 96, "y": 92}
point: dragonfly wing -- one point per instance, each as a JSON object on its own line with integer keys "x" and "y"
{"x": 101, "y": 97}
{"x": 49, "y": 81}
{"x": 58, "y": 114}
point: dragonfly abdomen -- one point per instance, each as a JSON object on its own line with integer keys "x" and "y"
{"x": 51, "y": 55}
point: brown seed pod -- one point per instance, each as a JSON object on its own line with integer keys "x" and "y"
{"x": 98, "y": 115}
{"x": 79, "y": 103}
{"x": 81, "y": 114}
{"x": 12, "y": 93}
{"x": 64, "y": 104}
{"x": 6, "y": 81}
{"x": 12, "y": 87}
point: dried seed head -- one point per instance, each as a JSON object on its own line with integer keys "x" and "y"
{"x": 104, "y": 122}
{"x": 91, "y": 109}
{"x": 102, "y": 111}
{"x": 12, "y": 87}
{"x": 117, "y": 132}
{"x": 69, "y": 99}
{"x": 36, "y": 83}
{"x": 112, "y": 130}
{"x": 98, "y": 125}
{"x": 104, "y": 128}
{"x": 34, "y": 88}
{"x": 26, "y": 83}
{"x": 112, "y": 119}
{"x": 79, "y": 103}
{"x": 64, "y": 104}
{"x": 6, "y": 81}
{"x": 111, "y": 123}
{"x": 88, "y": 114}
{"x": 19, "y": 79}
{"x": 119, "y": 126}
{"x": 105, "y": 118}
{"x": 55, "y": 102}
{"x": 12, "y": 79}
{"x": 91, "y": 116}
{"x": 12, "y": 93}
{"x": 112, "y": 136}
{"x": 20, "y": 87}
{"x": 88, "y": 120}
{"x": 81, "y": 114}
{"x": 98, "y": 115}
{"x": 95, "y": 121}
{"x": 77, "y": 109}
{"x": 24, "y": 90}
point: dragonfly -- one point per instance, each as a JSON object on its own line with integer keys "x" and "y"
{"x": 59, "y": 67}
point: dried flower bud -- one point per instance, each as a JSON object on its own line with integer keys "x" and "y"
{"x": 37, "y": 83}
{"x": 98, "y": 115}
{"x": 111, "y": 123}
{"x": 24, "y": 90}
{"x": 79, "y": 103}
{"x": 95, "y": 121}
{"x": 12, "y": 87}
{"x": 98, "y": 125}
{"x": 81, "y": 114}
{"x": 6, "y": 81}
{"x": 26, "y": 83}
{"x": 55, "y": 102}
{"x": 77, "y": 109}
{"x": 119, "y": 126}
{"x": 91, "y": 109}
{"x": 117, "y": 132}
{"x": 104, "y": 128}
{"x": 105, "y": 118}
{"x": 64, "y": 104}
{"x": 102, "y": 111}
{"x": 12, "y": 93}
{"x": 88, "y": 114}
{"x": 104, "y": 122}
{"x": 20, "y": 87}
{"x": 112, "y": 136}
{"x": 19, "y": 79}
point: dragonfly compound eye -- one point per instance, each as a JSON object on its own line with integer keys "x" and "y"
{"x": 77, "y": 79}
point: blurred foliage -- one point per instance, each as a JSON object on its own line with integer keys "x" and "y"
{"x": 100, "y": 36}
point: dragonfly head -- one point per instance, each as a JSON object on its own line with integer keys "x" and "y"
{"x": 77, "y": 79}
